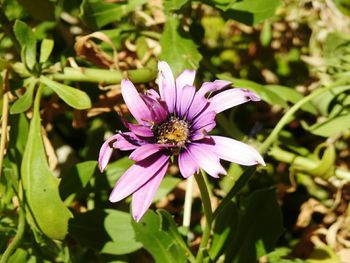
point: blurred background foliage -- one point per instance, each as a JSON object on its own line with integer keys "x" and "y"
{"x": 62, "y": 62}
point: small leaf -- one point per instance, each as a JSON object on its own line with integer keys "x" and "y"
{"x": 97, "y": 14}
{"x": 77, "y": 179}
{"x": 178, "y": 49}
{"x": 27, "y": 40}
{"x": 330, "y": 127}
{"x": 40, "y": 186}
{"x": 73, "y": 97}
{"x": 158, "y": 243}
{"x": 109, "y": 231}
{"x": 46, "y": 49}
{"x": 24, "y": 102}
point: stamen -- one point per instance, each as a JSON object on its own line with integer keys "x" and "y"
{"x": 174, "y": 131}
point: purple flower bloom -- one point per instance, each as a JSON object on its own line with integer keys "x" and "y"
{"x": 176, "y": 122}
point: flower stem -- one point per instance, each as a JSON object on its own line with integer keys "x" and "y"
{"x": 289, "y": 114}
{"x": 188, "y": 203}
{"x": 203, "y": 188}
{"x": 18, "y": 237}
{"x": 105, "y": 76}
{"x": 4, "y": 120}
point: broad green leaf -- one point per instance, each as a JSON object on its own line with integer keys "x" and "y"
{"x": 27, "y": 40}
{"x": 97, "y": 14}
{"x": 168, "y": 225}
{"x": 178, "y": 48}
{"x": 77, "y": 179}
{"x": 116, "y": 169}
{"x": 173, "y": 5}
{"x": 73, "y": 97}
{"x": 109, "y": 231}
{"x": 266, "y": 94}
{"x": 291, "y": 95}
{"x": 19, "y": 256}
{"x": 249, "y": 12}
{"x": 46, "y": 49}
{"x": 158, "y": 243}
{"x": 225, "y": 225}
{"x": 40, "y": 186}
{"x": 258, "y": 228}
{"x": 24, "y": 102}
{"x": 330, "y": 127}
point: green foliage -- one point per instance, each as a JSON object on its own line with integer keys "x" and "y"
{"x": 24, "y": 102}
{"x": 178, "y": 49}
{"x": 40, "y": 186}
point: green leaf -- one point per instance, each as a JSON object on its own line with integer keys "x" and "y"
{"x": 172, "y": 5}
{"x": 27, "y": 40}
{"x": 116, "y": 169}
{"x": 330, "y": 127}
{"x": 158, "y": 243}
{"x": 73, "y": 97}
{"x": 249, "y": 12}
{"x": 109, "y": 231}
{"x": 77, "y": 179}
{"x": 258, "y": 228}
{"x": 24, "y": 102}
{"x": 46, "y": 49}
{"x": 97, "y": 14}
{"x": 40, "y": 186}
{"x": 178, "y": 48}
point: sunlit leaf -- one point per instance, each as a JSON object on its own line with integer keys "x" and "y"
{"x": 73, "y": 97}
{"x": 24, "y": 102}
{"x": 158, "y": 243}
{"x": 46, "y": 49}
{"x": 178, "y": 48}
{"x": 40, "y": 186}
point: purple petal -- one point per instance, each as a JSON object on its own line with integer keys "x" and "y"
{"x": 230, "y": 98}
{"x": 127, "y": 141}
{"x": 142, "y": 198}
{"x": 206, "y": 121}
{"x": 184, "y": 99}
{"x": 198, "y": 135}
{"x": 185, "y": 78}
{"x": 137, "y": 175}
{"x": 140, "y": 130}
{"x": 157, "y": 107}
{"x": 136, "y": 105}
{"x": 236, "y": 151}
{"x": 187, "y": 165}
{"x": 166, "y": 85}
{"x": 146, "y": 150}
{"x": 200, "y": 101}
{"x": 202, "y": 154}
{"x": 152, "y": 93}
{"x": 106, "y": 152}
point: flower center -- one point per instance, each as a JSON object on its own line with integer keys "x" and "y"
{"x": 174, "y": 131}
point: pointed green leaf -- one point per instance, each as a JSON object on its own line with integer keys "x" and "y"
{"x": 330, "y": 127}
{"x": 160, "y": 244}
{"x": 73, "y": 97}
{"x": 40, "y": 186}
{"x": 178, "y": 49}
{"x": 24, "y": 102}
{"x": 27, "y": 40}
{"x": 46, "y": 49}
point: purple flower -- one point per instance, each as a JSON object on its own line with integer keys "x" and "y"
{"x": 174, "y": 123}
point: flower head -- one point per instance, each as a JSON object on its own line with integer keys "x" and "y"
{"x": 174, "y": 122}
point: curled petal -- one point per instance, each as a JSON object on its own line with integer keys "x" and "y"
{"x": 127, "y": 141}
{"x": 186, "y": 77}
{"x": 137, "y": 175}
{"x": 230, "y": 98}
{"x": 187, "y": 165}
{"x": 167, "y": 85}
{"x": 136, "y": 105}
{"x": 142, "y": 198}
{"x": 236, "y": 151}
{"x": 140, "y": 130}
{"x": 213, "y": 86}
{"x": 146, "y": 150}
{"x": 106, "y": 152}
{"x": 204, "y": 121}
{"x": 206, "y": 159}
{"x": 157, "y": 107}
